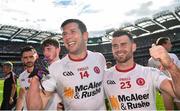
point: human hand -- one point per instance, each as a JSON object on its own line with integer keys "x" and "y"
{"x": 40, "y": 68}
{"x": 11, "y": 100}
{"x": 159, "y": 53}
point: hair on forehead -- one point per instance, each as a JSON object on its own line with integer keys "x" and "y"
{"x": 52, "y": 42}
{"x": 8, "y": 64}
{"x": 162, "y": 40}
{"x": 28, "y": 48}
{"x": 80, "y": 24}
{"x": 119, "y": 33}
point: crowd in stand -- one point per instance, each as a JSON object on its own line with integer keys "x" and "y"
{"x": 83, "y": 77}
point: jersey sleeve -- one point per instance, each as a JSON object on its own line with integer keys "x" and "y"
{"x": 49, "y": 83}
{"x": 176, "y": 60}
{"x": 158, "y": 78}
{"x": 20, "y": 81}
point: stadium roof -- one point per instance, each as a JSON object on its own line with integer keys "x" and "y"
{"x": 161, "y": 21}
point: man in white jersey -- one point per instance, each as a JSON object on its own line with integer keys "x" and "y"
{"x": 28, "y": 57}
{"x": 51, "y": 50}
{"x": 166, "y": 43}
{"x": 77, "y": 78}
{"x": 130, "y": 86}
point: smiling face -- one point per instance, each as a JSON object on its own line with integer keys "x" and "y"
{"x": 123, "y": 48}
{"x": 74, "y": 39}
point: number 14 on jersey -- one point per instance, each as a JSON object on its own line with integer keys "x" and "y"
{"x": 84, "y": 74}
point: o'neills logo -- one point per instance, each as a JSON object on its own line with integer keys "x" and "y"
{"x": 83, "y": 91}
{"x": 134, "y": 101}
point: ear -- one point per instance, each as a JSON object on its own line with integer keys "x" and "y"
{"x": 134, "y": 47}
{"x": 58, "y": 50}
{"x": 85, "y": 36}
{"x": 21, "y": 59}
{"x": 37, "y": 56}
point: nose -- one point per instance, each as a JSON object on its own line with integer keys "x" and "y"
{"x": 67, "y": 36}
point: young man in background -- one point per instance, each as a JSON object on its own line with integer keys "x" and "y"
{"x": 28, "y": 58}
{"x": 51, "y": 50}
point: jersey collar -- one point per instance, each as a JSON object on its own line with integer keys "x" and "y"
{"x": 80, "y": 59}
{"x": 126, "y": 70}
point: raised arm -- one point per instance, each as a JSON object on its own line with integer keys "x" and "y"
{"x": 159, "y": 53}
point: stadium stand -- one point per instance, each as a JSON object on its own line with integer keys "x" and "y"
{"x": 145, "y": 30}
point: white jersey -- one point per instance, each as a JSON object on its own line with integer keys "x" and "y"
{"x": 24, "y": 83}
{"x": 79, "y": 82}
{"x": 133, "y": 89}
{"x": 55, "y": 99}
{"x": 157, "y": 64}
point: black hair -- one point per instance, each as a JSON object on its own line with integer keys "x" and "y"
{"x": 118, "y": 33}
{"x": 162, "y": 40}
{"x": 50, "y": 41}
{"x": 81, "y": 25}
{"x": 28, "y": 48}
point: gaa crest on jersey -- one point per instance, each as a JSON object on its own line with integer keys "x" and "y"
{"x": 96, "y": 70}
{"x": 140, "y": 81}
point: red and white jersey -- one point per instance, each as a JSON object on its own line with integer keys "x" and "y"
{"x": 79, "y": 82}
{"x": 132, "y": 89}
{"x": 55, "y": 99}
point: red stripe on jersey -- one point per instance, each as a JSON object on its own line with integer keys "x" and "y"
{"x": 79, "y": 59}
{"x": 126, "y": 70}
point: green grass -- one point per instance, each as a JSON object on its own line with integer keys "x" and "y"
{"x": 159, "y": 102}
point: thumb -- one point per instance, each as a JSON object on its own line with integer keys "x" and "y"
{"x": 153, "y": 45}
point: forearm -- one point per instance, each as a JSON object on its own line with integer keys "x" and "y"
{"x": 19, "y": 104}
{"x": 13, "y": 90}
{"x": 175, "y": 74}
{"x": 34, "y": 101}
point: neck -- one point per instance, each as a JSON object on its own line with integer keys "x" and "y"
{"x": 29, "y": 69}
{"x": 55, "y": 59}
{"x": 127, "y": 65}
{"x": 79, "y": 56}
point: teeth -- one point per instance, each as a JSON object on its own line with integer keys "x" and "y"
{"x": 120, "y": 54}
{"x": 70, "y": 43}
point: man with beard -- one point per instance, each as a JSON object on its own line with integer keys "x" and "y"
{"x": 78, "y": 76}
{"x": 130, "y": 86}
{"x": 28, "y": 57}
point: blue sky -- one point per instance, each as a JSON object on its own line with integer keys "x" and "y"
{"x": 98, "y": 15}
